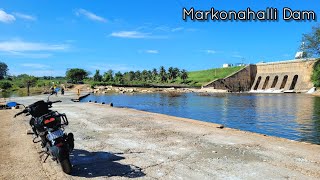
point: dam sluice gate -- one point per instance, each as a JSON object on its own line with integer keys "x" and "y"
{"x": 273, "y": 77}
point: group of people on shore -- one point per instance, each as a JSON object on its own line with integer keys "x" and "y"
{"x": 54, "y": 90}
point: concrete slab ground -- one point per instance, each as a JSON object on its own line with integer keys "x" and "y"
{"x": 120, "y": 143}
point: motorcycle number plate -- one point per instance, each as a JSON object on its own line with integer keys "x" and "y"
{"x": 54, "y": 135}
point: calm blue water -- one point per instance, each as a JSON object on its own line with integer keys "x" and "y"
{"x": 291, "y": 116}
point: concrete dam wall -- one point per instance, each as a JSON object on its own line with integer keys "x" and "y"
{"x": 241, "y": 80}
{"x": 290, "y": 76}
{"x": 287, "y": 75}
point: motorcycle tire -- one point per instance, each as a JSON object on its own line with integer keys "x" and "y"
{"x": 70, "y": 141}
{"x": 66, "y": 166}
{"x": 62, "y": 155}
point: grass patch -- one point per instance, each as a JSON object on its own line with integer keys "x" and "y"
{"x": 199, "y": 78}
{"x": 195, "y": 79}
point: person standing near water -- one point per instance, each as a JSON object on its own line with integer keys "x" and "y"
{"x": 62, "y": 91}
{"x": 54, "y": 90}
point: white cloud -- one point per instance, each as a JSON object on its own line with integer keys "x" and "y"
{"x": 286, "y": 55}
{"x": 135, "y": 35}
{"x": 192, "y": 30}
{"x": 36, "y": 66}
{"x": 209, "y": 51}
{"x": 177, "y": 29}
{"x": 163, "y": 28}
{"x": 237, "y": 56}
{"x": 90, "y": 15}
{"x": 152, "y": 51}
{"x": 5, "y": 17}
{"x": 28, "y": 55}
{"x": 25, "y": 16}
{"x": 70, "y": 41}
{"x": 168, "y": 29}
{"x": 39, "y": 73}
{"x": 130, "y": 34}
{"x": 21, "y": 46}
{"x": 148, "y": 31}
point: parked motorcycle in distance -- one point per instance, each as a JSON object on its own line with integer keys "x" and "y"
{"x": 49, "y": 126}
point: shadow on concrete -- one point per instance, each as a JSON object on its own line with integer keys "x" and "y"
{"x": 101, "y": 164}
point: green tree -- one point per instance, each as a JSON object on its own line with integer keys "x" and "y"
{"x": 316, "y": 75}
{"x": 145, "y": 75}
{"x": 5, "y": 85}
{"x": 131, "y": 76}
{"x": 170, "y": 73}
{"x": 184, "y": 75}
{"x": 3, "y": 70}
{"x": 150, "y": 75}
{"x": 137, "y": 75}
{"x": 173, "y": 73}
{"x": 163, "y": 74}
{"x": 97, "y": 76}
{"x": 76, "y": 74}
{"x": 154, "y": 74}
{"x": 27, "y": 81}
{"x": 118, "y": 77}
{"x": 108, "y": 76}
{"x": 176, "y": 72}
{"x": 312, "y": 41}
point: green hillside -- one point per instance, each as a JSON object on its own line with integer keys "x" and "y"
{"x": 199, "y": 78}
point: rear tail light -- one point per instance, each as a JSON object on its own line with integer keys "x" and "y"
{"x": 59, "y": 144}
{"x": 49, "y": 120}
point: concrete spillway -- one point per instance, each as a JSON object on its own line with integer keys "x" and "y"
{"x": 285, "y": 76}
{"x": 274, "y": 77}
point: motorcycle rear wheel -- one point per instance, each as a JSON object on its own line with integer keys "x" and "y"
{"x": 66, "y": 166}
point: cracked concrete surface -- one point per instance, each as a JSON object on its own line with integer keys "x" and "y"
{"x": 120, "y": 143}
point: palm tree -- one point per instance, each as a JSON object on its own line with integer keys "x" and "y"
{"x": 184, "y": 75}
{"x": 154, "y": 74}
{"x": 170, "y": 73}
{"x": 163, "y": 74}
{"x": 176, "y": 72}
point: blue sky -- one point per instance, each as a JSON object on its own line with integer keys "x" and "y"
{"x": 42, "y": 37}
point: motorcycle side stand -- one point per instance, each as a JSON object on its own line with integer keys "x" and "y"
{"x": 44, "y": 153}
{"x": 34, "y": 140}
{"x": 30, "y": 132}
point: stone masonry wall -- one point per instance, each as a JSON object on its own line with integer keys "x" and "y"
{"x": 237, "y": 82}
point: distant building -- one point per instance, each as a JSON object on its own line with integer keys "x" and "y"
{"x": 300, "y": 55}
{"x": 226, "y": 65}
{"x": 239, "y": 64}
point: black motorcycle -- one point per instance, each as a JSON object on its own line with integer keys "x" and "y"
{"x": 49, "y": 126}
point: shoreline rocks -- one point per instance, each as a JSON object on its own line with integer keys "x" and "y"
{"x": 133, "y": 90}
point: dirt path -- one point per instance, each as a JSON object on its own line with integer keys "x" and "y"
{"x": 18, "y": 156}
{"x": 122, "y": 143}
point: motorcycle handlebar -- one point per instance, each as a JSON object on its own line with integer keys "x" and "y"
{"x": 26, "y": 110}
{"x": 51, "y": 102}
{"x": 19, "y": 113}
